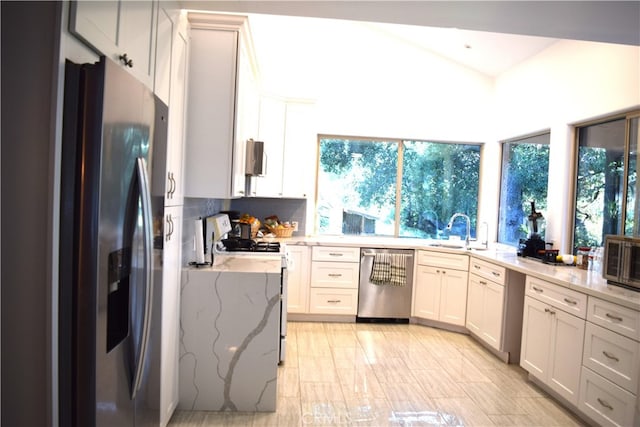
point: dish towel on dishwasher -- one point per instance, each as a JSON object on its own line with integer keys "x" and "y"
{"x": 389, "y": 269}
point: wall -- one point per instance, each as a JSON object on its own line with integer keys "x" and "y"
{"x": 569, "y": 82}
{"x": 28, "y": 98}
{"x": 399, "y": 90}
{"x": 285, "y": 209}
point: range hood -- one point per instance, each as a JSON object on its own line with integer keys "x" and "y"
{"x": 255, "y": 165}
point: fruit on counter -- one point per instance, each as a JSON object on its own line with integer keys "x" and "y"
{"x": 247, "y": 219}
{"x": 274, "y": 222}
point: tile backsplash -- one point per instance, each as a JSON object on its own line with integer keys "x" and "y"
{"x": 194, "y": 208}
{"x": 285, "y": 209}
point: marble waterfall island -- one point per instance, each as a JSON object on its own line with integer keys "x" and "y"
{"x": 230, "y": 335}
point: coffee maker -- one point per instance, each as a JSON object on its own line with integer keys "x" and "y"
{"x": 534, "y": 246}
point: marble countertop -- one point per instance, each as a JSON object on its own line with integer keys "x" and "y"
{"x": 588, "y": 282}
{"x": 245, "y": 263}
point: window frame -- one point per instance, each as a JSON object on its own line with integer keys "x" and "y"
{"x": 399, "y": 174}
{"x": 515, "y": 140}
{"x": 627, "y": 116}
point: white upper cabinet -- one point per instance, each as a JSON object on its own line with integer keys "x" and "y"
{"x": 221, "y": 104}
{"x": 164, "y": 37}
{"x": 121, "y": 30}
{"x": 288, "y": 131}
{"x": 300, "y": 142}
{"x": 271, "y": 132}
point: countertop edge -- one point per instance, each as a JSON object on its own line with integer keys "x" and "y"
{"x": 586, "y": 282}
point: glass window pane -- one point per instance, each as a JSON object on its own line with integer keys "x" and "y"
{"x": 632, "y": 221}
{"x": 525, "y": 176}
{"x": 438, "y": 180}
{"x": 599, "y": 183}
{"x": 357, "y": 186}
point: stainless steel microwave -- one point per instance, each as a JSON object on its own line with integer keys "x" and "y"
{"x": 621, "y": 264}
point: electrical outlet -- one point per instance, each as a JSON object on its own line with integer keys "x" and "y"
{"x": 294, "y": 224}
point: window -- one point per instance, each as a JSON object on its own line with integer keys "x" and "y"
{"x": 525, "y": 176}
{"x": 606, "y": 181}
{"x": 396, "y": 188}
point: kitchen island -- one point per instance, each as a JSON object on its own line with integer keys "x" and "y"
{"x": 230, "y": 334}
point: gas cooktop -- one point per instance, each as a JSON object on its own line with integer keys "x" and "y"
{"x": 250, "y": 246}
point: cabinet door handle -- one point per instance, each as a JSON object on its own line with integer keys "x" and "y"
{"x": 126, "y": 61}
{"x": 495, "y": 273}
{"x": 172, "y": 185}
{"x": 605, "y": 404}
{"x": 610, "y": 356}
{"x": 444, "y": 271}
{"x": 612, "y": 317}
{"x": 537, "y": 289}
{"x": 335, "y": 275}
{"x": 548, "y": 310}
{"x": 570, "y": 301}
{"x": 482, "y": 282}
{"x": 169, "y": 227}
{"x": 437, "y": 271}
{"x": 335, "y": 254}
{"x": 334, "y": 301}
{"x": 476, "y": 266}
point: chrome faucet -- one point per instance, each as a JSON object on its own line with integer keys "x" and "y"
{"x": 468, "y": 236}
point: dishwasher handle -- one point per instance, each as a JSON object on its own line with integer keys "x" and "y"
{"x": 366, "y": 254}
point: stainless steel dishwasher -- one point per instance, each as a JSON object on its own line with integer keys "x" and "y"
{"x": 384, "y": 302}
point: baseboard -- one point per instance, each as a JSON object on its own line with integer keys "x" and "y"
{"x": 502, "y": 355}
{"x": 562, "y": 401}
{"x": 305, "y": 317}
{"x": 439, "y": 325}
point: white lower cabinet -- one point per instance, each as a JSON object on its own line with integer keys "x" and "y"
{"x": 170, "y": 309}
{"x": 298, "y": 280}
{"x": 552, "y": 343}
{"x": 440, "y": 294}
{"x": 613, "y": 356}
{"x": 605, "y": 402}
{"x": 609, "y": 385}
{"x": 484, "y": 310}
{"x": 334, "y": 280}
{"x": 494, "y": 307}
{"x": 333, "y": 301}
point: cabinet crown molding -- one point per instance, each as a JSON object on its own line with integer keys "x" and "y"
{"x": 217, "y": 21}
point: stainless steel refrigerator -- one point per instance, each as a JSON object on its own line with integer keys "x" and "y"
{"x": 111, "y": 219}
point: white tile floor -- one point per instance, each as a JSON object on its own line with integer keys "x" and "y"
{"x": 344, "y": 374}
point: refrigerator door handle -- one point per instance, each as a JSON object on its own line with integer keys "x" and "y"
{"x": 145, "y": 198}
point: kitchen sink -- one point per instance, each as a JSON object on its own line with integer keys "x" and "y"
{"x": 457, "y": 245}
{"x": 448, "y": 245}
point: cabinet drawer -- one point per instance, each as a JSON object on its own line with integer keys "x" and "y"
{"x": 340, "y": 254}
{"x": 611, "y": 355}
{"x": 605, "y": 402}
{"x": 444, "y": 260}
{"x": 333, "y": 301}
{"x": 334, "y": 274}
{"x": 489, "y": 271}
{"x": 612, "y": 316}
{"x": 565, "y": 299}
